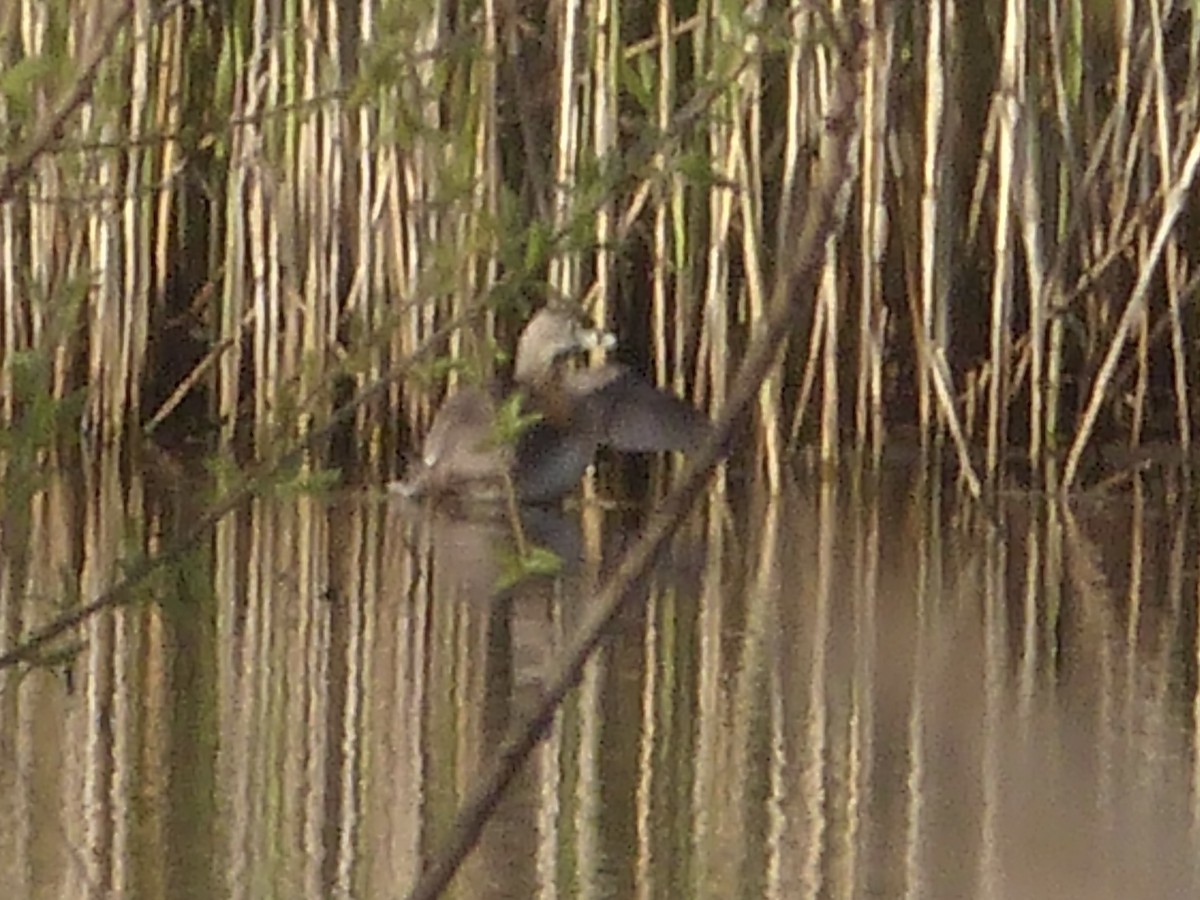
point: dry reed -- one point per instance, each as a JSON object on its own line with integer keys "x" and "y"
{"x": 332, "y": 185}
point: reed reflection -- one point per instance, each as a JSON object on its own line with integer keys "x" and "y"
{"x": 854, "y": 689}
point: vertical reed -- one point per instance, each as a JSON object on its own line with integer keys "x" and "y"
{"x": 370, "y": 172}
{"x": 873, "y": 231}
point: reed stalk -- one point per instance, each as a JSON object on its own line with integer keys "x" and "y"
{"x": 1010, "y": 110}
{"x": 933, "y": 166}
{"x": 873, "y": 233}
{"x": 1173, "y": 274}
{"x": 666, "y": 199}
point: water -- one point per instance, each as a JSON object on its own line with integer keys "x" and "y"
{"x": 854, "y": 690}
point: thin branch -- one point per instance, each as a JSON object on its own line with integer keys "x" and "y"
{"x": 827, "y": 206}
{"x": 255, "y": 482}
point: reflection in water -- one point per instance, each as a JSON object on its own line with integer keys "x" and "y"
{"x": 850, "y": 691}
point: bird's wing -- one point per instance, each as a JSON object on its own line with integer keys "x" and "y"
{"x": 631, "y": 415}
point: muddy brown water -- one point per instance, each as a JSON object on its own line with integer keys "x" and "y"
{"x": 853, "y": 690}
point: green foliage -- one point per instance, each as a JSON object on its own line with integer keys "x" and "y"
{"x": 40, "y": 422}
{"x": 512, "y": 421}
{"x": 697, "y": 168}
{"x": 37, "y": 421}
{"x": 21, "y": 82}
{"x": 426, "y": 375}
{"x": 224, "y": 474}
{"x": 538, "y": 246}
{"x": 285, "y": 481}
{"x": 639, "y": 78}
{"x": 306, "y": 480}
{"x": 177, "y": 584}
{"x": 536, "y": 561}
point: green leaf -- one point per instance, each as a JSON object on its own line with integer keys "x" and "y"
{"x": 638, "y": 81}
{"x": 515, "y": 568}
{"x": 512, "y": 421}
{"x": 19, "y": 81}
{"x": 537, "y": 247}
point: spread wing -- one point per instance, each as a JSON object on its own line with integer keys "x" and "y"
{"x": 631, "y": 415}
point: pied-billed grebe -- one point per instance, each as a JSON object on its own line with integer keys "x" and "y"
{"x": 578, "y": 412}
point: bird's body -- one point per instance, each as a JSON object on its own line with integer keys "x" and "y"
{"x": 575, "y": 413}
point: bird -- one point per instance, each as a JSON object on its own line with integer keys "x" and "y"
{"x": 568, "y": 414}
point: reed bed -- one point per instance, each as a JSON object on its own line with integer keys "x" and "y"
{"x": 227, "y": 220}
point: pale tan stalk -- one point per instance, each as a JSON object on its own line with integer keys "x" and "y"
{"x": 1173, "y": 274}
{"x": 828, "y": 293}
{"x": 168, "y": 78}
{"x": 716, "y": 289}
{"x": 941, "y": 386}
{"x": 1010, "y": 105}
{"x": 260, "y": 89}
{"x": 135, "y": 223}
{"x": 605, "y": 59}
{"x": 9, "y": 270}
{"x": 1063, "y": 26}
{"x": 235, "y": 289}
{"x": 1141, "y": 384}
{"x": 391, "y": 266}
{"x": 100, "y": 169}
{"x": 368, "y": 283}
{"x": 664, "y": 198}
{"x": 419, "y": 159}
{"x": 1030, "y": 216}
{"x": 828, "y": 297}
{"x": 1136, "y": 400}
{"x": 808, "y": 377}
{"x": 724, "y": 155}
{"x": 746, "y": 154}
{"x": 565, "y": 275}
{"x": 11, "y": 305}
{"x": 336, "y": 145}
{"x": 931, "y": 170}
{"x": 192, "y": 379}
{"x": 302, "y": 311}
{"x": 1122, "y": 139}
{"x": 873, "y": 230}
{"x": 983, "y": 176}
{"x": 789, "y": 180}
{"x": 793, "y": 132}
{"x": 484, "y": 272}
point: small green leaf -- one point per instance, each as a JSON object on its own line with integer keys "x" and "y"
{"x": 512, "y": 421}
{"x": 638, "y": 82}
{"x": 18, "y": 81}
{"x": 515, "y": 568}
{"x": 542, "y": 561}
{"x": 537, "y": 247}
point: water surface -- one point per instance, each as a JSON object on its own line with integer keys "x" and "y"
{"x": 856, "y": 690}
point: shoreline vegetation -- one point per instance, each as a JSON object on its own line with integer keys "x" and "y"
{"x": 221, "y": 222}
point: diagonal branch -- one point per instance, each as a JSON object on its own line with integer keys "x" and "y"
{"x": 826, "y": 209}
